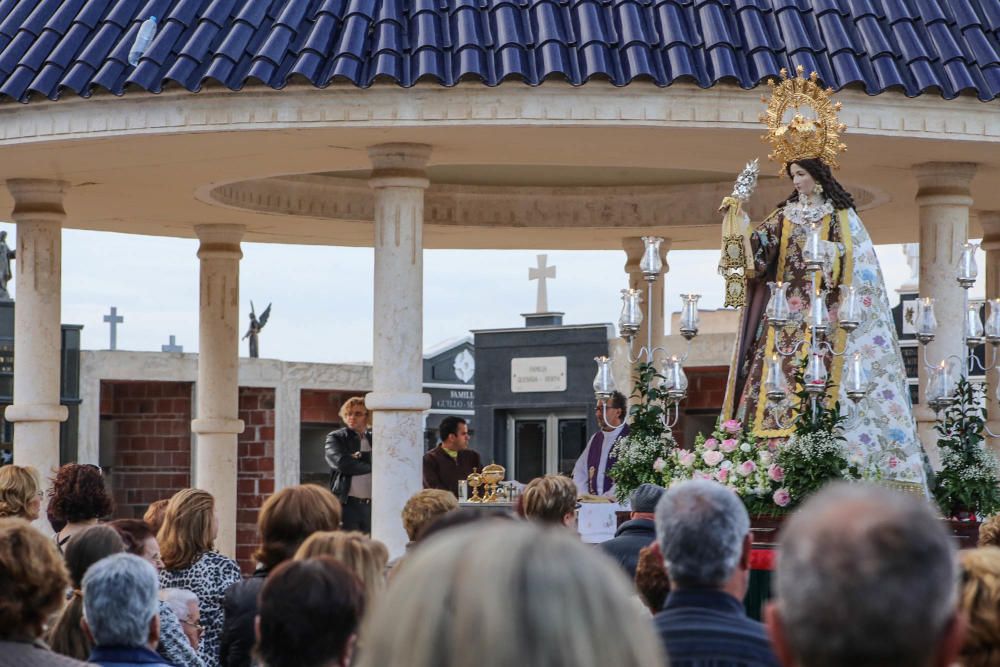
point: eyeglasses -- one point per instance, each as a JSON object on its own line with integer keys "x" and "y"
{"x": 199, "y": 628}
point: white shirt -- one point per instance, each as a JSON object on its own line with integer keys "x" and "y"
{"x": 581, "y": 475}
{"x": 361, "y": 485}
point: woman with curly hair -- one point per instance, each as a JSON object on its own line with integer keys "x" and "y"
{"x": 187, "y": 547}
{"x": 79, "y": 498}
{"x": 979, "y": 599}
{"x": 33, "y": 582}
{"x": 66, "y": 636}
{"x": 20, "y": 492}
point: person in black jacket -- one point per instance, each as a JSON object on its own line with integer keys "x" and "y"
{"x": 349, "y": 455}
{"x": 638, "y": 532}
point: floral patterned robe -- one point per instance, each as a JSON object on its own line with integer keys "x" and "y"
{"x": 884, "y": 439}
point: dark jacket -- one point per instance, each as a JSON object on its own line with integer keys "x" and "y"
{"x": 709, "y": 628}
{"x": 240, "y": 607}
{"x": 126, "y": 656}
{"x": 441, "y": 471}
{"x": 341, "y": 445}
{"x": 630, "y": 537}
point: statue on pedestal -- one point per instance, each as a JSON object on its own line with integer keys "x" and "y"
{"x": 6, "y": 271}
{"x": 255, "y": 328}
{"x": 777, "y": 267}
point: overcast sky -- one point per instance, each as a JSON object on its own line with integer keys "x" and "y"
{"x": 323, "y": 295}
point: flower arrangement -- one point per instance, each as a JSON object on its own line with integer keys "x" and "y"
{"x": 968, "y": 483}
{"x": 736, "y": 459}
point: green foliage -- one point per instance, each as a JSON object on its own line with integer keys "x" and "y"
{"x": 646, "y": 415}
{"x": 968, "y": 478}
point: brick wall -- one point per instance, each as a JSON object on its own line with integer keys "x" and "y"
{"x": 321, "y": 407}
{"x": 150, "y": 450}
{"x": 255, "y": 480}
{"x": 150, "y": 456}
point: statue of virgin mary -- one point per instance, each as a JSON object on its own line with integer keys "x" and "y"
{"x": 884, "y": 436}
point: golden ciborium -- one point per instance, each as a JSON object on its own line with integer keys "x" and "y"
{"x": 492, "y": 475}
{"x": 475, "y": 481}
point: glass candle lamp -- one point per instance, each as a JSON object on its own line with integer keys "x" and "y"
{"x": 689, "y": 315}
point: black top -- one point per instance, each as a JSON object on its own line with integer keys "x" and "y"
{"x": 709, "y": 628}
{"x": 340, "y": 449}
{"x": 240, "y": 607}
{"x": 630, "y": 537}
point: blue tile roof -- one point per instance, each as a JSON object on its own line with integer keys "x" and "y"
{"x": 51, "y": 48}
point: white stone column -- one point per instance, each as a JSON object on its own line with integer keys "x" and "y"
{"x": 36, "y": 412}
{"x": 216, "y": 424}
{"x": 634, "y": 250}
{"x": 990, "y": 222}
{"x": 943, "y": 199}
{"x": 397, "y": 402}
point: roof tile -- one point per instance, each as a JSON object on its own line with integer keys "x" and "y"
{"x": 49, "y": 47}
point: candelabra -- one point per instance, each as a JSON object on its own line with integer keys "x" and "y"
{"x": 673, "y": 380}
{"x": 940, "y": 385}
{"x": 816, "y": 255}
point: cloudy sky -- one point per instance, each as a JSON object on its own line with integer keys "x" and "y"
{"x": 323, "y": 295}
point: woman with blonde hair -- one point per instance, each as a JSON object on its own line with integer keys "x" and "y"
{"x": 529, "y": 596}
{"x": 187, "y": 549}
{"x": 979, "y": 599}
{"x": 362, "y": 555}
{"x": 20, "y": 492}
{"x": 550, "y": 500}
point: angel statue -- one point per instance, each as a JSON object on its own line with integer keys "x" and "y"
{"x": 770, "y": 258}
{"x": 255, "y": 327}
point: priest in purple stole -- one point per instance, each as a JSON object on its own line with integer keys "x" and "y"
{"x": 591, "y": 470}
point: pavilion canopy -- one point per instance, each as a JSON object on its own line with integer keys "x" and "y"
{"x": 50, "y": 48}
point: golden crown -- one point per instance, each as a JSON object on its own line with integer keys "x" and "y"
{"x": 801, "y": 137}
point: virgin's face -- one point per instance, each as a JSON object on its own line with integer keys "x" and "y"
{"x": 803, "y": 181}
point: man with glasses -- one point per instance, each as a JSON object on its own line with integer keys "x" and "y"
{"x": 349, "y": 455}
{"x": 591, "y": 470}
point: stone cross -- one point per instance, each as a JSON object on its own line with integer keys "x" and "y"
{"x": 541, "y": 273}
{"x": 114, "y": 319}
{"x": 172, "y": 346}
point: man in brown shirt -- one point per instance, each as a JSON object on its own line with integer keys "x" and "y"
{"x": 451, "y": 460}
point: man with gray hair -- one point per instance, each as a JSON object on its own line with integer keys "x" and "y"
{"x": 704, "y": 535}
{"x": 866, "y": 577}
{"x": 121, "y": 611}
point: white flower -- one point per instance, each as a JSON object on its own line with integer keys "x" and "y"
{"x": 745, "y": 447}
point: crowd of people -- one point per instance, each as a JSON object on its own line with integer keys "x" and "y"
{"x": 866, "y": 576}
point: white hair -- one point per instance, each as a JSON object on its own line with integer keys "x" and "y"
{"x": 529, "y": 595}
{"x": 866, "y": 577}
{"x": 701, "y": 526}
{"x": 179, "y": 600}
{"x": 119, "y": 600}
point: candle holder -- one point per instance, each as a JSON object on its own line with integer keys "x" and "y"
{"x": 674, "y": 380}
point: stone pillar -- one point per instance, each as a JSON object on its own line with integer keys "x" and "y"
{"x": 397, "y": 402}
{"x": 216, "y": 424}
{"x": 943, "y": 199}
{"x": 634, "y": 249}
{"x": 36, "y": 412}
{"x": 990, "y": 222}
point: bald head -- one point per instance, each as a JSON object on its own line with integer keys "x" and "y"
{"x": 866, "y": 576}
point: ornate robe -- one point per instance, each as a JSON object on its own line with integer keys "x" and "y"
{"x": 885, "y": 436}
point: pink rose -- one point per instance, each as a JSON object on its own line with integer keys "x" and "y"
{"x": 732, "y": 426}
{"x": 893, "y": 462}
{"x": 781, "y": 498}
{"x": 711, "y": 443}
{"x": 747, "y": 468}
{"x": 700, "y": 475}
{"x": 728, "y": 445}
{"x": 686, "y": 459}
{"x": 712, "y": 457}
{"x": 659, "y": 464}
{"x": 722, "y": 475}
{"x": 776, "y": 472}
{"x": 794, "y": 303}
